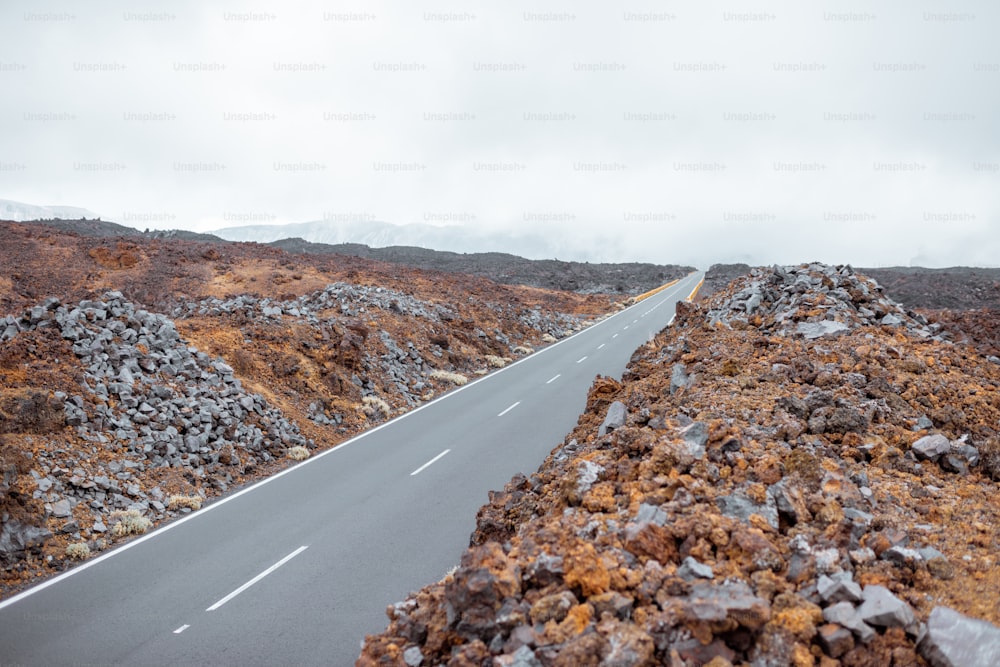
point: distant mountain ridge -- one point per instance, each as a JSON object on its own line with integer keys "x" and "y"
{"x": 378, "y": 234}
{"x": 502, "y": 267}
{"x": 21, "y": 212}
{"x": 584, "y": 277}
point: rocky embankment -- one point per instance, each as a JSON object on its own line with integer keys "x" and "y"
{"x": 114, "y": 418}
{"x": 798, "y": 472}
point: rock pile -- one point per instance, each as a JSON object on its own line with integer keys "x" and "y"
{"x": 402, "y": 365}
{"x": 754, "y": 492}
{"x": 814, "y": 301}
{"x": 149, "y": 402}
{"x": 347, "y": 300}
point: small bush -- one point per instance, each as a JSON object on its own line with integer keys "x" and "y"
{"x": 548, "y": 338}
{"x": 179, "y": 502}
{"x": 495, "y": 361}
{"x": 129, "y": 522}
{"x": 78, "y": 551}
{"x": 372, "y": 405}
{"x": 480, "y": 371}
{"x": 454, "y": 378}
{"x": 298, "y": 453}
{"x": 523, "y": 349}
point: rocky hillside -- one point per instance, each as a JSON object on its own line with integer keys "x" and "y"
{"x": 139, "y": 378}
{"x": 583, "y": 277}
{"x": 630, "y": 279}
{"x": 965, "y": 301}
{"x": 957, "y": 287}
{"x": 798, "y": 472}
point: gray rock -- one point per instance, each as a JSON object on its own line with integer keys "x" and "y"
{"x": 522, "y": 657}
{"x": 545, "y": 569}
{"x": 892, "y": 320}
{"x": 931, "y": 447}
{"x": 902, "y": 555}
{"x": 858, "y": 515}
{"x": 61, "y": 509}
{"x": 740, "y": 507}
{"x": 695, "y": 438}
{"x": 125, "y": 376}
{"x": 614, "y": 419}
{"x": 835, "y": 639}
{"x": 679, "y": 378}
{"x": 587, "y": 474}
{"x": 813, "y": 330}
{"x": 615, "y": 603}
{"x": 17, "y": 538}
{"x": 691, "y": 569}
{"x": 923, "y": 424}
{"x": 651, "y": 514}
{"x": 930, "y": 553}
{"x": 844, "y": 613}
{"x": 838, "y": 587}
{"x": 880, "y": 607}
{"x": 954, "y": 640}
{"x": 732, "y": 599}
{"x": 413, "y": 656}
{"x": 789, "y": 501}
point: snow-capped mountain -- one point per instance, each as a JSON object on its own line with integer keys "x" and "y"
{"x": 20, "y": 212}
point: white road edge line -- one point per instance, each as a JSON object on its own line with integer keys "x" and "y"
{"x": 181, "y": 629}
{"x": 557, "y": 376}
{"x": 257, "y": 578}
{"x": 429, "y": 463}
{"x": 510, "y": 408}
{"x": 312, "y": 459}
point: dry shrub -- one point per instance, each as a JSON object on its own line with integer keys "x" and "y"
{"x": 180, "y": 501}
{"x": 454, "y": 378}
{"x": 129, "y": 522}
{"x": 373, "y": 405}
{"x": 78, "y": 551}
{"x": 298, "y": 453}
{"x": 496, "y": 362}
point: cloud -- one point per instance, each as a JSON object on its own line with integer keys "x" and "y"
{"x": 683, "y": 131}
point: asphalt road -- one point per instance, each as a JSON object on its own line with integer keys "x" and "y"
{"x": 295, "y": 570}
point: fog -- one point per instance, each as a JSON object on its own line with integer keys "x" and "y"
{"x": 682, "y": 131}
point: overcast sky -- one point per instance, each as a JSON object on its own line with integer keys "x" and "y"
{"x": 671, "y": 131}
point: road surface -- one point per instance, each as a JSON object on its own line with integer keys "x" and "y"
{"x": 296, "y": 569}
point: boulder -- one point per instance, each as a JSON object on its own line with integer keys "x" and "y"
{"x": 614, "y": 419}
{"x": 812, "y": 330}
{"x": 880, "y": 607}
{"x": 18, "y": 539}
{"x": 931, "y": 447}
{"x": 954, "y": 640}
